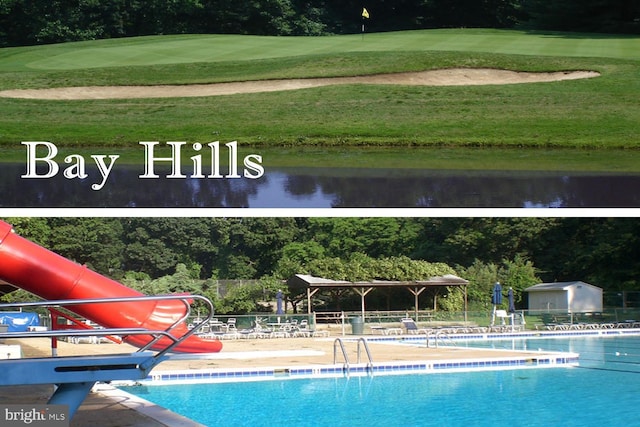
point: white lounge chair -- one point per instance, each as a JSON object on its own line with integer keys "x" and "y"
{"x": 302, "y": 329}
{"x": 231, "y": 324}
{"x": 412, "y": 328}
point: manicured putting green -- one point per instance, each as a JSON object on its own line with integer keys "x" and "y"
{"x": 183, "y": 49}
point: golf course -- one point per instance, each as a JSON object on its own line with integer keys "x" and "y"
{"x": 498, "y": 91}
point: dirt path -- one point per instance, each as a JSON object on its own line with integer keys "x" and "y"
{"x": 446, "y": 77}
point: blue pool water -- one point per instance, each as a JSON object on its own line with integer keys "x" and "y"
{"x": 603, "y": 391}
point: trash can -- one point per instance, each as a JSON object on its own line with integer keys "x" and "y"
{"x": 357, "y": 326}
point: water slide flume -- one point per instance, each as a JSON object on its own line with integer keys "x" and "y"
{"x": 52, "y": 277}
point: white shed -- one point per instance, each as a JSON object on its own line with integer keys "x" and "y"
{"x": 572, "y": 297}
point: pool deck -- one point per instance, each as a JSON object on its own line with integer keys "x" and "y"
{"x": 114, "y": 410}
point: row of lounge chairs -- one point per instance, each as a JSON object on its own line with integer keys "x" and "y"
{"x": 508, "y": 323}
{"x": 513, "y": 325}
{"x": 413, "y": 329}
{"x": 275, "y": 330}
{"x": 565, "y": 323}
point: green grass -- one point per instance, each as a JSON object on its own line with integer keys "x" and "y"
{"x": 187, "y": 49}
{"x": 597, "y": 113}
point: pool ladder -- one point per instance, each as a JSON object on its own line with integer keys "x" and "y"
{"x": 440, "y": 338}
{"x": 362, "y": 343}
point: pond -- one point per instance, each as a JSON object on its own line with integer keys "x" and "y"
{"x": 327, "y": 187}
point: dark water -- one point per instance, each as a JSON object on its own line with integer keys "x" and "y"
{"x": 326, "y": 188}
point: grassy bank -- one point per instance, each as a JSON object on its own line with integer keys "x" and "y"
{"x": 602, "y": 112}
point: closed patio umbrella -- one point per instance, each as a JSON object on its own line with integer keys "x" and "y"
{"x": 496, "y": 296}
{"x": 496, "y": 299}
{"x": 279, "y": 309}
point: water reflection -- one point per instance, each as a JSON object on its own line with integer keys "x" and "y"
{"x": 327, "y": 187}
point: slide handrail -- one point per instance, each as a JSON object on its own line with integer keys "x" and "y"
{"x": 156, "y": 334}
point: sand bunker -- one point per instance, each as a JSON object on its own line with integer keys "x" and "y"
{"x": 446, "y": 77}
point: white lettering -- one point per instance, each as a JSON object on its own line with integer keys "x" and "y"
{"x": 104, "y": 169}
{"x": 43, "y": 153}
{"x": 77, "y": 169}
{"x": 27, "y": 417}
{"x": 150, "y": 159}
{"x": 215, "y": 159}
{"x": 32, "y": 159}
{"x": 233, "y": 159}
{"x": 197, "y": 162}
{"x": 252, "y": 162}
{"x": 256, "y": 167}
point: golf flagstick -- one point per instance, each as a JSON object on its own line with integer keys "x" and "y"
{"x": 365, "y": 15}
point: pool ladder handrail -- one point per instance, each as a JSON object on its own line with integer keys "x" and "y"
{"x": 440, "y": 335}
{"x": 361, "y": 340}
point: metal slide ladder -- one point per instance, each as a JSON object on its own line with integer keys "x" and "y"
{"x": 74, "y": 376}
{"x": 361, "y": 342}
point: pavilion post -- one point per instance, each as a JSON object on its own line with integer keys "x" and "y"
{"x": 416, "y": 291}
{"x": 363, "y": 292}
{"x": 310, "y": 293}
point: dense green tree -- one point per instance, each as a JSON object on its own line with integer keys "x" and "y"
{"x": 155, "y": 245}
{"x": 613, "y": 16}
{"x": 295, "y": 255}
{"x": 374, "y": 236}
{"x": 518, "y": 273}
{"x": 96, "y": 242}
{"x": 602, "y": 251}
{"x": 24, "y": 22}
{"x": 37, "y": 230}
{"x": 243, "y": 299}
{"x": 462, "y": 240}
{"x": 147, "y": 250}
{"x": 255, "y": 245}
{"x": 472, "y": 13}
{"x": 481, "y": 276}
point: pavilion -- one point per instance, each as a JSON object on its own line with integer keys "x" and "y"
{"x": 315, "y": 284}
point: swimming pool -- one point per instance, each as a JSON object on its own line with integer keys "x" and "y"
{"x": 602, "y": 391}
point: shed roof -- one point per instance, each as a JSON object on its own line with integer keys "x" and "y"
{"x": 557, "y": 286}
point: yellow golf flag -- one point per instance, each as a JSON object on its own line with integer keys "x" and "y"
{"x": 365, "y": 13}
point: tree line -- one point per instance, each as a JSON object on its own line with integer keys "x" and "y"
{"x": 162, "y": 255}
{"x": 27, "y": 22}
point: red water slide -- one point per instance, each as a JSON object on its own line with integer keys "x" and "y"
{"x": 53, "y": 277}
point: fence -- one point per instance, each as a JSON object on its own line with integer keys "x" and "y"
{"x": 346, "y": 322}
